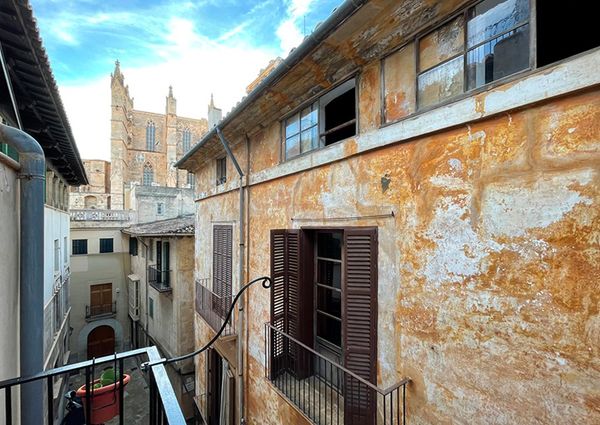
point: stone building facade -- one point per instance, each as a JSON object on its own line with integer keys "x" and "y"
{"x": 466, "y": 209}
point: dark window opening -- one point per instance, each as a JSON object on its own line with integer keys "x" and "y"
{"x": 79, "y": 247}
{"x": 221, "y": 170}
{"x": 133, "y": 246}
{"x": 106, "y": 245}
{"x": 340, "y": 117}
{"x": 563, "y": 31}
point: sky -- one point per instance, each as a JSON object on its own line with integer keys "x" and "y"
{"x": 198, "y": 47}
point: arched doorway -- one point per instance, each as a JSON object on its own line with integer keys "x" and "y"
{"x": 101, "y": 342}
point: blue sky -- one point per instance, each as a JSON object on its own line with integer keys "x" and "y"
{"x": 199, "y": 47}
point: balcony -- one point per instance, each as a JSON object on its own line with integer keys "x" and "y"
{"x": 213, "y": 307}
{"x": 101, "y": 215}
{"x": 162, "y": 407}
{"x": 326, "y": 392}
{"x": 159, "y": 279}
{"x": 100, "y": 311}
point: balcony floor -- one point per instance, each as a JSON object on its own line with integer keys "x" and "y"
{"x": 314, "y": 397}
{"x": 136, "y": 394}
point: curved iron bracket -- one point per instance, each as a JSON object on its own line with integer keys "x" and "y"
{"x": 266, "y": 283}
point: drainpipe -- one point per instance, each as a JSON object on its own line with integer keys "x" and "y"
{"x": 31, "y": 268}
{"x": 241, "y": 311}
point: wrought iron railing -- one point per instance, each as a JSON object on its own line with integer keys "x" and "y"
{"x": 159, "y": 279}
{"x": 213, "y": 307}
{"x": 163, "y": 407}
{"x": 100, "y": 310}
{"x": 326, "y": 392}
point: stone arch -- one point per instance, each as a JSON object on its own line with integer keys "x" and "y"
{"x": 90, "y": 202}
{"x": 82, "y": 338}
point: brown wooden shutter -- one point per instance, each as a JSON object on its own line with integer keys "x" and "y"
{"x": 290, "y": 297}
{"x": 222, "y": 265}
{"x": 359, "y": 331}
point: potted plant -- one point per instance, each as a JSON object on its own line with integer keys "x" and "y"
{"x": 104, "y": 395}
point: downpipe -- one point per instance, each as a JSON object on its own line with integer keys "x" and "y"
{"x": 31, "y": 267}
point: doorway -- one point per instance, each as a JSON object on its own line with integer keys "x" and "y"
{"x": 101, "y": 342}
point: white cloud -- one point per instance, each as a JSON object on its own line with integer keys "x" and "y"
{"x": 194, "y": 65}
{"x": 289, "y": 31}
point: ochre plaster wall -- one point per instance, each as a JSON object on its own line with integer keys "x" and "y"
{"x": 488, "y": 291}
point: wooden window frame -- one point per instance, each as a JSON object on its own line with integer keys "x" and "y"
{"x": 465, "y": 51}
{"x": 221, "y": 170}
{"x": 326, "y": 97}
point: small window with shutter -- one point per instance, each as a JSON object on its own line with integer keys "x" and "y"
{"x": 222, "y": 268}
{"x": 324, "y": 296}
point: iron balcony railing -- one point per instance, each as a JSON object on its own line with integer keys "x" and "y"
{"x": 213, "y": 307}
{"x": 159, "y": 279}
{"x": 163, "y": 405}
{"x": 100, "y": 310}
{"x": 326, "y": 392}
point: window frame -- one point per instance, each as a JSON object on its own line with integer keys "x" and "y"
{"x": 422, "y": 33}
{"x": 186, "y": 140}
{"x": 73, "y": 243}
{"x": 103, "y": 250}
{"x": 148, "y": 170}
{"x": 221, "y": 171}
{"x": 345, "y": 84}
{"x": 150, "y": 136}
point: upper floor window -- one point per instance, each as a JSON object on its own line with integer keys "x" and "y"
{"x": 56, "y": 255}
{"x": 191, "y": 180}
{"x": 106, "y": 245}
{"x": 221, "y": 170}
{"x": 187, "y": 140}
{"x": 160, "y": 208}
{"x": 150, "y": 136}
{"x": 148, "y": 175}
{"x": 487, "y": 42}
{"x": 79, "y": 246}
{"x": 328, "y": 120}
{"x": 133, "y": 246}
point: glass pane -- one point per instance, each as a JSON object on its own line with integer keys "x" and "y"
{"x": 441, "y": 83}
{"x": 329, "y": 301}
{"x": 498, "y": 58}
{"x": 329, "y": 273}
{"x": 292, "y": 146}
{"x": 442, "y": 44}
{"x": 329, "y": 329}
{"x": 309, "y": 117}
{"x": 292, "y": 126}
{"x": 309, "y": 139}
{"x": 492, "y": 17}
{"x": 329, "y": 245}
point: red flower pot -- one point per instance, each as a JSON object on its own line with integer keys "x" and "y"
{"x": 104, "y": 401}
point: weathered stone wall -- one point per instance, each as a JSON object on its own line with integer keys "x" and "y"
{"x": 488, "y": 292}
{"x": 175, "y": 202}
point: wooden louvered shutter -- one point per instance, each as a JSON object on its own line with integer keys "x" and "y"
{"x": 222, "y": 265}
{"x": 285, "y": 299}
{"x": 360, "y": 324}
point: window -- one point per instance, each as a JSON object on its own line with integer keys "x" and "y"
{"x": 160, "y": 208}
{"x": 489, "y": 41}
{"x": 148, "y": 175}
{"x": 151, "y": 307}
{"x": 106, "y": 245}
{"x": 186, "y": 140}
{"x": 221, "y": 170}
{"x": 65, "y": 251}
{"x": 6, "y": 149}
{"x": 56, "y": 255}
{"x": 79, "y": 246}
{"x": 312, "y": 271}
{"x": 576, "y": 34}
{"x": 191, "y": 180}
{"x": 133, "y": 246}
{"x": 222, "y": 257}
{"x": 328, "y": 120}
{"x": 150, "y": 136}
